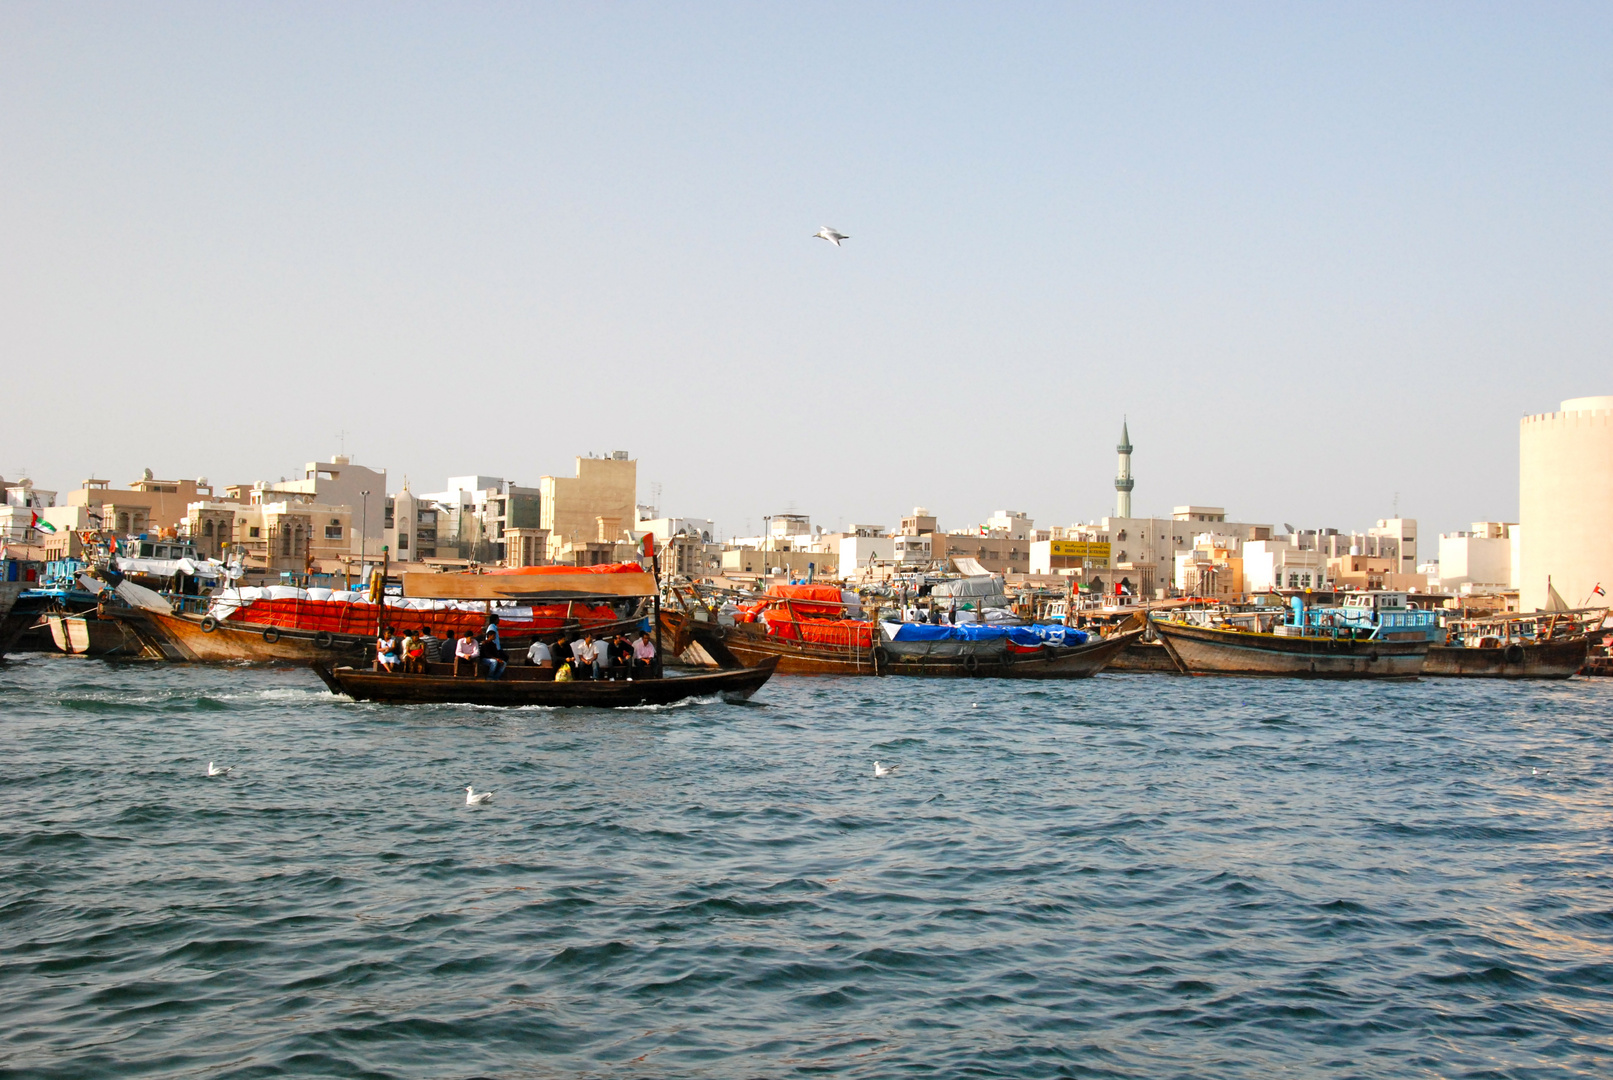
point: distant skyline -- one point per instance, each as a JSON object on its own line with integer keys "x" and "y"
{"x": 1319, "y": 256}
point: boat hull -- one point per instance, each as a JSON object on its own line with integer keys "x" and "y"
{"x": 89, "y": 635}
{"x": 1200, "y": 650}
{"x": 1521, "y": 660}
{"x": 518, "y": 688}
{"x": 231, "y": 640}
{"x": 749, "y": 645}
{"x": 1144, "y": 657}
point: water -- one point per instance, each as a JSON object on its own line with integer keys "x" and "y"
{"x": 1131, "y": 876}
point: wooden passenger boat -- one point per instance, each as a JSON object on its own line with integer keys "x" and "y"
{"x": 1373, "y": 636}
{"x": 1005, "y": 662}
{"x": 521, "y": 686}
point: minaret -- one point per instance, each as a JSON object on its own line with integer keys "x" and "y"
{"x": 1123, "y": 482}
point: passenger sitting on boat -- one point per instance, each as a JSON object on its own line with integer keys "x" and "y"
{"x": 492, "y": 655}
{"x": 643, "y": 656}
{"x": 386, "y": 651}
{"x": 433, "y": 646}
{"x": 492, "y": 628}
{"x": 574, "y": 643}
{"x": 621, "y": 658}
{"x": 588, "y": 657}
{"x": 540, "y": 655}
{"x": 414, "y": 653}
{"x": 466, "y": 653}
{"x": 405, "y": 644}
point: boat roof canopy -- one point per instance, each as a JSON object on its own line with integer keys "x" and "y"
{"x": 579, "y": 584}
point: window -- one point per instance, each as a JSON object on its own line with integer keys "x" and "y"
{"x": 207, "y": 529}
{"x": 254, "y": 531}
{"x": 333, "y": 532}
{"x": 403, "y": 541}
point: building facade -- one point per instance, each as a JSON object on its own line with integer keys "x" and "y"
{"x": 1565, "y": 504}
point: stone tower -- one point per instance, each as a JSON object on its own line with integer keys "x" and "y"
{"x": 1123, "y": 481}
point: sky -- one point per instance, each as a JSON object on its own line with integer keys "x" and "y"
{"x": 1321, "y": 257}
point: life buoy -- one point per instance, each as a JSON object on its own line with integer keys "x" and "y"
{"x": 209, "y": 624}
{"x": 971, "y": 663}
{"x": 324, "y": 639}
{"x": 271, "y": 634}
{"x": 1513, "y": 653}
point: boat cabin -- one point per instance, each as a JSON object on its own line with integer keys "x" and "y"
{"x": 1376, "y": 600}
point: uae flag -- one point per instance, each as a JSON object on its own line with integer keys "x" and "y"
{"x": 42, "y": 526}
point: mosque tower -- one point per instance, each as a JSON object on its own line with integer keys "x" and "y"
{"x": 1123, "y": 482}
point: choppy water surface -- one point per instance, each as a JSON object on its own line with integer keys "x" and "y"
{"x": 1131, "y": 876}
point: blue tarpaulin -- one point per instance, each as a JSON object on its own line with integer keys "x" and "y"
{"x": 1019, "y": 635}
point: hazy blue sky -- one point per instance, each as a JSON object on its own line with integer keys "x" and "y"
{"x": 1318, "y": 254}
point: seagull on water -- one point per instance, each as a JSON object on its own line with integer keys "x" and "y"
{"x": 476, "y": 798}
{"x": 831, "y": 235}
{"x": 883, "y": 770}
{"x": 214, "y": 770}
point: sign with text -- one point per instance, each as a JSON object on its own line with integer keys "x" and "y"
{"x": 1079, "y": 549}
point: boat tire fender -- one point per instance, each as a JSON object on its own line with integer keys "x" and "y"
{"x": 1373, "y": 656}
{"x": 209, "y": 624}
{"x": 882, "y": 656}
{"x": 324, "y": 639}
{"x": 271, "y": 634}
{"x": 971, "y": 663}
{"x": 1513, "y": 653}
{"x": 720, "y": 632}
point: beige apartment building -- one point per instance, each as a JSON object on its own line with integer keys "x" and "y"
{"x": 596, "y": 507}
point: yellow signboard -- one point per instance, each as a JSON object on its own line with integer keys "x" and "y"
{"x": 1079, "y": 549}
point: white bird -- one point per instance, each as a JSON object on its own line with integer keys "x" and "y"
{"x": 214, "y": 770}
{"x": 883, "y": 770}
{"x": 831, "y": 235}
{"x": 476, "y": 798}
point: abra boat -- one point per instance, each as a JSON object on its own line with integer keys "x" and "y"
{"x": 536, "y": 686}
{"x": 1372, "y": 635}
{"x": 1549, "y": 646}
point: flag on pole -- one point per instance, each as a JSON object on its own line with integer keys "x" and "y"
{"x": 1599, "y": 591}
{"x": 649, "y": 545}
{"x": 42, "y": 526}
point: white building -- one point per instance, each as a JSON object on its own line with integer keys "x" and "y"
{"x": 20, "y": 502}
{"x": 1478, "y": 561}
{"x": 861, "y": 552}
{"x": 1280, "y": 564}
{"x": 1404, "y": 533}
{"x": 474, "y": 511}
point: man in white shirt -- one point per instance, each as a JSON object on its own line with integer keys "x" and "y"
{"x": 539, "y": 655}
{"x": 588, "y": 655}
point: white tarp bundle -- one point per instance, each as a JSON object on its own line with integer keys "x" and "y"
{"x": 166, "y": 568}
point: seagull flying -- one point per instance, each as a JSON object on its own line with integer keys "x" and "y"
{"x": 214, "y": 770}
{"x": 476, "y": 798}
{"x": 831, "y": 235}
{"x": 883, "y": 770}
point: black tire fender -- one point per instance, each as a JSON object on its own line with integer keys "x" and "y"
{"x": 720, "y": 632}
{"x": 324, "y": 639}
{"x": 209, "y": 624}
{"x": 882, "y": 656}
{"x": 1513, "y": 653}
{"x": 271, "y": 634}
{"x": 971, "y": 663}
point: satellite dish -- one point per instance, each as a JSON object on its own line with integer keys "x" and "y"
{"x": 1289, "y": 527}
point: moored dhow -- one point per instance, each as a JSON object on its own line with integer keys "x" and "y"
{"x": 1552, "y": 645}
{"x": 1372, "y": 635}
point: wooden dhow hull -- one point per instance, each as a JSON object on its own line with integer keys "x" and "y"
{"x": 525, "y": 687}
{"x": 749, "y": 645}
{"x": 93, "y": 635}
{"x": 199, "y": 639}
{"x": 12, "y": 623}
{"x": 1200, "y": 650}
{"x": 1144, "y": 657}
{"x": 1520, "y": 660}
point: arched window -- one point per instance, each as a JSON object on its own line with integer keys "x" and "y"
{"x": 207, "y": 529}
